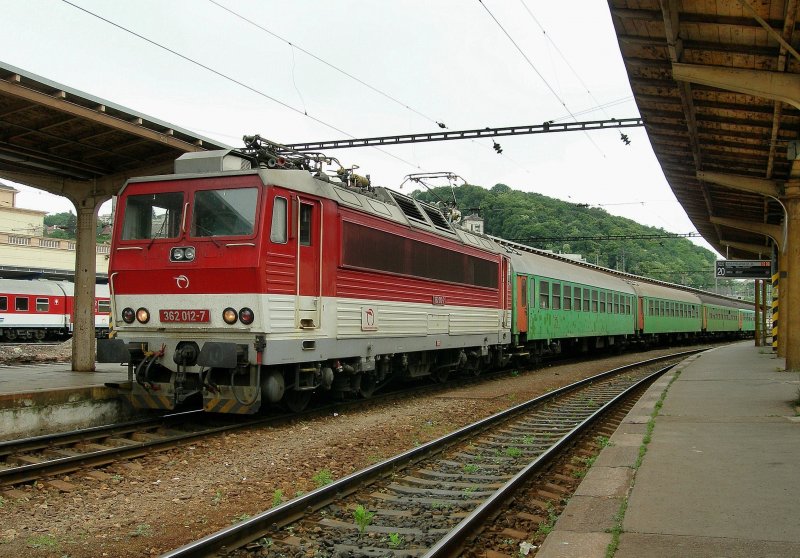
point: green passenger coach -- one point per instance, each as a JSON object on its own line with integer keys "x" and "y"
{"x": 557, "y": 303}
{"x": 667, "y": 312}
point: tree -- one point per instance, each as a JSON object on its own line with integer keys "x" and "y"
{"x": 61, "y": 225}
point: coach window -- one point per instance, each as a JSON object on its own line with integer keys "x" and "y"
{"x": 586, "y": 299}
{"x": 578, "y": 298}
{"x": 21, "y": 304}
{"x": 104, "y": 306}
{"x": 305, "y": 224}
{"x": 42, "y": 305}
{"x": 602, "y": 303}
{"x": 278, "y": 231}
{"x": 610, "y": 306}
{"x": 567, "y": 297}
{"x": 3, "y": 303}
{"x": 594, "y": 301}
{"x": 556, "y": 296}
{"x": 544, "y": 294}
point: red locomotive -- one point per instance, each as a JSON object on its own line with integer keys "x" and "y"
{"x": 261, "y": 285}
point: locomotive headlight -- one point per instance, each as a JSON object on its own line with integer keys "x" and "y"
{"x": 246, "y": 316}
{"x": 143, "y": 315}
{"x": 182, "y": 254}
{"x": 128, "y": 315}
{"x": 229, "y": 315}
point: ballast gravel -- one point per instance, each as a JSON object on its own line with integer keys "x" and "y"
{"x": 150, "y": 505}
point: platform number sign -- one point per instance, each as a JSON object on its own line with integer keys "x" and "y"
{"x": 744, "y": 269}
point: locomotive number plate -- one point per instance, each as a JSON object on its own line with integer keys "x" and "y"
{"x": 183, "y": 316}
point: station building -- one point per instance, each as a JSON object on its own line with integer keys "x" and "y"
{"x": 25, "y": 251}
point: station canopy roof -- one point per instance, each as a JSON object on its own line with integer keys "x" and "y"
{"x": 697, "y": 128}
{"x": 48, "y": 130}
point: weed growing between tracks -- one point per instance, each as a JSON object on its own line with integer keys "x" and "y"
{"x": 616, "y": 531}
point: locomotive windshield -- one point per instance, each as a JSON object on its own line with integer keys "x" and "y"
{"x": 229, "y": 212}
{"x": 151, "y": 216}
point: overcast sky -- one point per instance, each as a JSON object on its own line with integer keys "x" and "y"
{"x": 422, "y": 61}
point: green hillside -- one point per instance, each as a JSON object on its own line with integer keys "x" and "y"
{"x": 525, "y": 217}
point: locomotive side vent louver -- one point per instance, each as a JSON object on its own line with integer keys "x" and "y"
{"x": 408, "y": 206}
{"x": 436, "y": 217}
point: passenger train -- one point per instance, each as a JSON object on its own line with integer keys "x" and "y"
{"x": 249, "y": 279}
{"x": 39, "y": 310}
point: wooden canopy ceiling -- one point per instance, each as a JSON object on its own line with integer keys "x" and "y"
{"x": 49, "y": 133}
{"x": 696, "y": 128}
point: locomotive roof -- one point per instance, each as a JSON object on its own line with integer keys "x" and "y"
{"x": 380, "y": 202}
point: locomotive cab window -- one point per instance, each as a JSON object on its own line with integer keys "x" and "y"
{"x": 279, "y": 228}
{"x": 306, "y": 213}
{"x": 21, "y": 304}
{"x": 42, "y": 305}
{"x": 150, "y": 216}
{"x": 228, "y": 212}
{"x": 3, "y": 303}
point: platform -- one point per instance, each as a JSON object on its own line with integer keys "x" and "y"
{"x": 39, "y": 398}
{"x": 719, "y": 477}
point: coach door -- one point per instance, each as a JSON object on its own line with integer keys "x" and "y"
{"x": 522, "y": 304}
{"x": 309, "y": 254}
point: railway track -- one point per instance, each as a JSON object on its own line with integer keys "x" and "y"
{"x": 30, "y": 459}
{"x": 432, "y": 499}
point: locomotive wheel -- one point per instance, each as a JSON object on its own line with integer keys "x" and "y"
{"x": 297, "y": 401}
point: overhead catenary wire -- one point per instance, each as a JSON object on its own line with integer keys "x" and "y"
{"x": 226, "y": 77}
{"x": 326, "y": 63}
{"x": 535, "y": 69}
{"x": 564, "y": 58}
